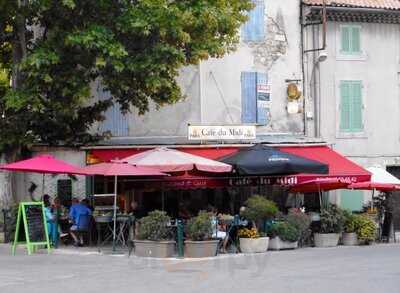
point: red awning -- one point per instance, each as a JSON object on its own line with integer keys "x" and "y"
{"x": 342, "y": 171}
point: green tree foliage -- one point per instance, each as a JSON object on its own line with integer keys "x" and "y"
{"x": 53, "y": 51}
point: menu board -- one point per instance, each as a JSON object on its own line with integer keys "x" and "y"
{"x": 31, "y": 229}
{"x": 35, "y": 221}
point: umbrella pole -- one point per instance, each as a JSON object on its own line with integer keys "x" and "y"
{"x": 42, "y": 184}
{"x": 115, "y": 213}
{"x": 162, "y": 197}
{"x": 372, "y": 200}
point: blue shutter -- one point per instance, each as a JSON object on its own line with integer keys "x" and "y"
{"x": 115, "y": 122}
{"x": 249, "y": 97}
{"x": 253, "y": 30}
{"x": 262, "y": 98}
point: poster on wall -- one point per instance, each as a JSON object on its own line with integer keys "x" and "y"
{"x": 263, "y": 90}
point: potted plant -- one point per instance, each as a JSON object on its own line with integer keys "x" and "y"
{"x": 302, "y": 222}
{"x": 154, "y": 238}
{"x": 251, "y": 242}
{"x": 349, "y": 236}
{"x": 258, "y": 210}
{"x": 331, "y": 226}
{"x": 283, "y": 235}
{"x": 366, "y": 229}
{"x": 199, "y": 233}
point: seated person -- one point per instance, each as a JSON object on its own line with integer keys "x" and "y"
{"x": 217, "y": 231}
{"x": 50, "y": 220}
{"x": 239, "y": 222}
{"x": 75, "y": 213}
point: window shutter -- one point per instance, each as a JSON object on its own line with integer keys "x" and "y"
{"x": 115, "y": 121}
{"x": 249, "y": 97}
{"x": 253, "y": 30}
{"x": 345, "y": 39}
{"x": 356, "y": 106}
{"x": 345, "y": 111}
{"x": 262, "y": 116}
{"x": 355, "y": 39}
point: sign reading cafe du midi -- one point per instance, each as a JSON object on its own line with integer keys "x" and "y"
{"x": 223, "y": 132}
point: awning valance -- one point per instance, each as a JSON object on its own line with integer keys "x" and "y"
{"x": 341, "y": 170}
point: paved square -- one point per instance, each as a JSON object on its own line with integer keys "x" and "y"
{"x": 310, "y": 270}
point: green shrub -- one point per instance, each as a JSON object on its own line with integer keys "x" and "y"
{"x": 302, "y": 222}
{"x": 155, "y": 227}
{"x": 350, "y": 222}
{"x": 199, "y": 228}
{"x": 332, "y": 219}
{"x": 365, "y": 229}
{"x": 285, "y": 231}
{"x": 258, "y": 208}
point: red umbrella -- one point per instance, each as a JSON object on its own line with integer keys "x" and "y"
{"x": 44, "y": 164}
{"x": 41, "y": 164}
{"x": 380, "y": 180}
{"x": 170, "y": 160}
{"x": 321, "y": 184}
{"x": 117, "y": 169}
{"x": 369, "y": 185}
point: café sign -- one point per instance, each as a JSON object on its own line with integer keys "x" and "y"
{"x": 221, "y": 132}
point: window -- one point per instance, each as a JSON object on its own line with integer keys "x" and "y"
{"x": 350, "y": 40}
{"x": 253, "y": 30}
{"x": 351, "y": 106}
{"x": 255, "y": 98}
{"x": 351, "y": 200}
{"x": 64, "y": 191}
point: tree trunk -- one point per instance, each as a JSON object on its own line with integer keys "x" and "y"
{"x": 7, "y": 190}
{"x": 19, "y": 52}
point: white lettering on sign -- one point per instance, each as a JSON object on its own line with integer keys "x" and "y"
{"x": 223, "y": 132}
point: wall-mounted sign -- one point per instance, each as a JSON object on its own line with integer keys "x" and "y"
{"x": 223, "y": 132}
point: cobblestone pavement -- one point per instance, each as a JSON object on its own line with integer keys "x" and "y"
{"x": 324, "y": 270}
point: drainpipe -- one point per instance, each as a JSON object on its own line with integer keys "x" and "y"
{"x": 316, "y": 60}
{"x": 305, "y": 89}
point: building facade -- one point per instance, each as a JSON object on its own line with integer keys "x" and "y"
{"x": 352, "y": 82}
{"x": 248, "y": 86}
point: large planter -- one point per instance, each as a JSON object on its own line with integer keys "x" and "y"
{"x": 254, "y": 245}
{"x": 277, "y": 243}
{"x": 201, "y": 248}
{"x": 161, "y": 249}
{"x": 326, "y": 239}
{"x": 349, "y": 239}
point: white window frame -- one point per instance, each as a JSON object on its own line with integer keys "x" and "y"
{"x": 362, "y": 56}
{"x": 364, "y": 91}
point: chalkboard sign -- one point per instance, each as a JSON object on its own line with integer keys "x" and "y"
{"x": 34, "y": 218}
{"x": 31, "y": 229}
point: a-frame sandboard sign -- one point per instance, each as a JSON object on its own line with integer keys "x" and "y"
{"x": 31, "y": 229}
